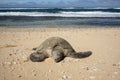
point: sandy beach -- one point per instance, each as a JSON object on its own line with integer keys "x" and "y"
{"x": 16, "y": 45}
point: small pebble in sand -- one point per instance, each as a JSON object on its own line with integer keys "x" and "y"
{"x": 2, "y": 64}
{"x": 10, "y": 54}
{"x": 117, "y": 65}
{"x": 8, "y": 63}
{"x": 95, "y": 69}
{"x": 63, "y": 72}
{"x": 92, "y": 77}
{"x": 64, "y": 77}
{"x": 115, "y": 73}
{"x": 50, "y": 70}
{"x": 12, "y": 68}
{"x": 114, "y": 64}
{"x": 14, "y": 62}
{"x": 33, "y": 70}
{"x": 15, "y": 53}
{"x": 34, "y": 74}
{"x": 19, "y": 76}
{"x": 86, "y": 68}
{"x": 113, "y": 76}
{"x": 25, "y": 59}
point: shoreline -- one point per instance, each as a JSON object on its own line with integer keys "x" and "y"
{"x": 53, "y": 28}
{"x": 62, "y": 26}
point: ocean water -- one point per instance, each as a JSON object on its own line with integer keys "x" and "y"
{"x": 59, "y": 16}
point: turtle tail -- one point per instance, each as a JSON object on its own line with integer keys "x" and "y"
{"x": 80, "y": 54}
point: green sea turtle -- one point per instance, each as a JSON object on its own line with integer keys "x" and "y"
{"x": 57, "y": 48}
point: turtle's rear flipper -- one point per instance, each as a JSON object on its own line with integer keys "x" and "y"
{"x": 80, "y": 54}
{"x": 84, "y": 54}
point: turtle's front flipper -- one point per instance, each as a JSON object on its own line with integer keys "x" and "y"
{"x": 57, "y": 55}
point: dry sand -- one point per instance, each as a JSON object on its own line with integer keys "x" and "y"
{"x": 104, "y": 64}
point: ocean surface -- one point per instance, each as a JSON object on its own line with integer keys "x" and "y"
{"x": 59, "y": 17}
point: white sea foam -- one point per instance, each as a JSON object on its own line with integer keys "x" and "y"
{"x": 58, "y": 8}
{"x": 21, "y": 8}
{"x": 63, "y": 14}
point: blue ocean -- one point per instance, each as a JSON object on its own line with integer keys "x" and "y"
{"x": 59, "y": 17}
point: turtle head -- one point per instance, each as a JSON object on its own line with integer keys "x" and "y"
{"x": 37, "y": 57}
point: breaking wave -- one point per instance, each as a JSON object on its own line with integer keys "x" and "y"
{"x": 63, "y": 14}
